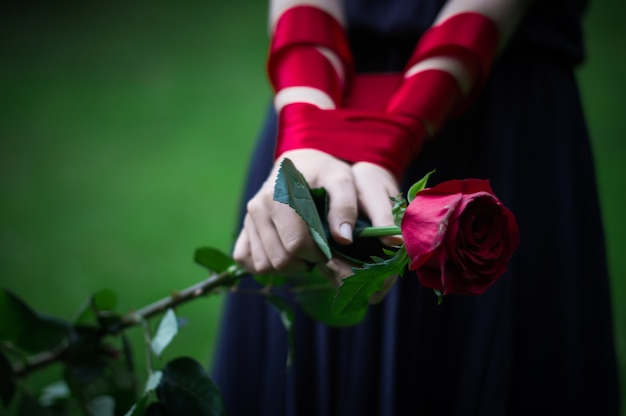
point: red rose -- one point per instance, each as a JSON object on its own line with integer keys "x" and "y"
{"x": 459, "y": 236}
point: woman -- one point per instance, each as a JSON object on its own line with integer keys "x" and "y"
{"x": 504, "y": 106}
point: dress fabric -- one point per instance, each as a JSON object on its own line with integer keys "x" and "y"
{"x": 538, "y": 341}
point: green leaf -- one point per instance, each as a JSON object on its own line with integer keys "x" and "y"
{"x": 213, "y": 259}
{"x": 355, "y": 291}
{"x": 54, "y": 392}
{"x": 98, "y": 308}
{"x": 16, "y": 317}
{"x": 271, "y": 280}
{"x": 315, "y": 295}
{"x": 187, "y": 389}
{"x": 439, "y": 295}
{"x": 139, "y": 408}
{"x": 156, "y": 409}
{"x": 292, "y": 189}
{"x": 8, "y": 380}
{"x": 27, "y": 329}
{"x": 287, "y": 317}
{"x": 101, "y": 406}
{"x": 154, "y": 381}
{"x": 104, "y": 300}
{"x": 418, "y": 186}
{"x": 168, "y": 328}
{"x": 398, "y": 209}
{"x": 45, "y": 333}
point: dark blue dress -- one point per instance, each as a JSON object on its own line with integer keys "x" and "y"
{"x": 540, "y": 340}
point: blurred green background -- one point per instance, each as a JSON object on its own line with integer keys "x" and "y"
{"x": 125, "y": 130}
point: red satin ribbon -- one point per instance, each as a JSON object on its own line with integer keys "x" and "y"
{"x": 306, "y": 66}
{"x": 293, "y": 59}
{"x": 308, "y": 25}
{"x": 382, "y": 117}
{"x": 390, "y": 141}
{"x": 469, "y": 37}
{"x": 360, "y": 132}
{"x": 428, "y": 95}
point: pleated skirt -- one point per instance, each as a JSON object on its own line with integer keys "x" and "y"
{"x": 539, "y": 340}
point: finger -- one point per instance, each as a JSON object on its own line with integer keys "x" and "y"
{"x": 375, "y": 187}
{"x": 335, "y": 271}
{"x": 342, "y": 205}
{"x": 267, "y": 251}
{"x": 242, "y": 253}
{"x": 260, "y": 261}
{"x": 283, "y": 234}
{"x": 294, "y": 237}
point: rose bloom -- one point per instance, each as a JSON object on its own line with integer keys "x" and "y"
{"x": 459, "y": 236}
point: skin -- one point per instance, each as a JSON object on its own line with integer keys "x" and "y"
{"x": 274, "y": 239}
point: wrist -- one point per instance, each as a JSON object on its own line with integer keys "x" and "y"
{"x": 387, "y": 140}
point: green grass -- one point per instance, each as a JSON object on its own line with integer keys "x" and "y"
{"x": 125, "y": 134}
{"x": 125, "y": 130}
{"x": 602, "y": 88}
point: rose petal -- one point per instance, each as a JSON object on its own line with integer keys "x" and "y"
{"x": 425, "y": 224}
{"x": 456, "y": 186}
{"x": 459, "y": 236}
{"x": 430, "y": 277}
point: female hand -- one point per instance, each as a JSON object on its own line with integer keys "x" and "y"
{"x": 275, "y": 240}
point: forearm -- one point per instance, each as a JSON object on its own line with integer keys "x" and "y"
{"x": 453, "y": 59}
{"x": 505, "y": 14}
{"x": 309, "y": 57}
{"x": 332, "y": 7}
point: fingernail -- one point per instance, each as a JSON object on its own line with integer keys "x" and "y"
{"x": 345, "y": 230}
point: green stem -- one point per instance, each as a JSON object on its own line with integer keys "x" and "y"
{"x": 380, "y": 231}
{"x": 225, "y": 279}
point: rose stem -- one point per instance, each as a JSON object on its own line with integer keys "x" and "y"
{"x": 380, "y": 231}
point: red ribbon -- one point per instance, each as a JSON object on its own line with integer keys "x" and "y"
{"x": 470, "y": 37}
{"x": 293, "y": 58}
{"x": 428, "y": 95}
{"x": 360, "y": 132}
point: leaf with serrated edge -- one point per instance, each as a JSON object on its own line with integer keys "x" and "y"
{"x": 355, "y": 291}
{"x": 213, "y": 259}
{"x": 187, "y": 389}
{"x": 29, "y": 330}
{"x": 418, "y": 186}
{"x": 138, "y": 409}
{"x": 292, "y": 189}
{"x": 168, "y": 328}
